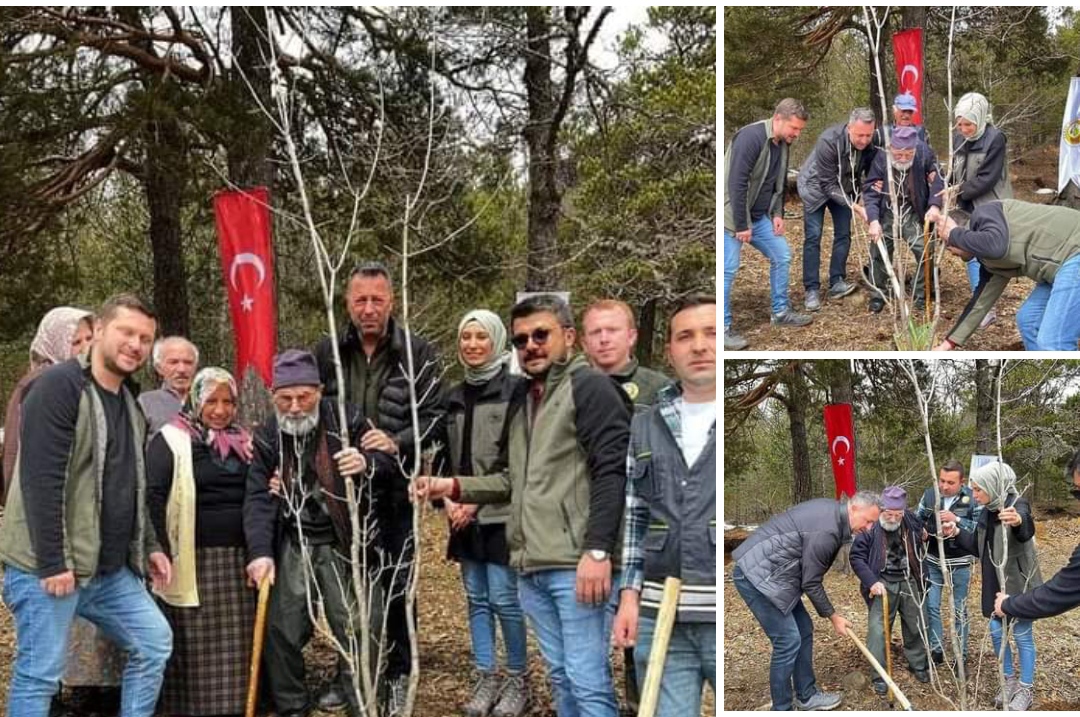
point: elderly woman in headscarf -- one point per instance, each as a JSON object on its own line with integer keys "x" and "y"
{"x": 1005, "y": 536}
{"x": 476, "y": 410}
{"x": 94, "y": 664}
{"x": 196, "y": 471}
{"x": 980, "y": 164}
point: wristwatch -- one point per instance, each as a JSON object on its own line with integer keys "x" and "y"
{"x": 598, "y": 555}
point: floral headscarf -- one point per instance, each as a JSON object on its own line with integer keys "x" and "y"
{"x": 52, "y": 342}
{"x": 233, "y": 439}
{"x": 493, "y": 325}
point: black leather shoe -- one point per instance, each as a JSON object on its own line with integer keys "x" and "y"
{"x": 938, "y": 657}
{"x": 876, "y": 304}
{"x": 879, "y": 686}
{"x": 921, "y": 675}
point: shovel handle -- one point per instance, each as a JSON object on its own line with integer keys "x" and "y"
{"x": 904, "y": 702}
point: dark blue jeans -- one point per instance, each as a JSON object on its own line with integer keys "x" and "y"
{"x": 814, "y": 224}
{"x": 792, "y": 638}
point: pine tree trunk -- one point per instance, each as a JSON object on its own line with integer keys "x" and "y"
{"x": 164, "y": 187}
{"x": 798, "y": 398}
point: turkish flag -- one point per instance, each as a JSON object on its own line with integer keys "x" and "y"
{"x": 840, "y": 430}
{"x": 908, "y": 52}
{"x": 247, "y": 267}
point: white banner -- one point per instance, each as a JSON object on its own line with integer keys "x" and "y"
{"x": 1069, "y": 163}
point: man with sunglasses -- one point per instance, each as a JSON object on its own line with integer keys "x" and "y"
{"x": 564, "y": 448}
{"x": 918, "y": 184}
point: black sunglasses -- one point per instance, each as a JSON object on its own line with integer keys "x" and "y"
{"x": 538, "y": 336}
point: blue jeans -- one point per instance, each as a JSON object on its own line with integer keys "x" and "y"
{"x": 1048, "y": 319}
{"x": 961, "y": 578}
{"x": 1024, "y": 636}
{"x": 973, "y": 273}
{"x": 778, "y": 253}
{"x": 575, "y": 640}
{"x": 119, "y": 604}
{"x": 691, "y": 659}
{"x": 814, "y": 225}
{"x": 792, "y": 638}
{"x": 491, "y": 589}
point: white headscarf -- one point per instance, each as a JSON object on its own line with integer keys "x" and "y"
{"x": 52, "y": 342}
{"x": 974, "y": 108}
{"x": 491, "y": 323}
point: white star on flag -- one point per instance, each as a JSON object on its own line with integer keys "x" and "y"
{"x": 840, "y": 460}
{"x": 246, "y": 303}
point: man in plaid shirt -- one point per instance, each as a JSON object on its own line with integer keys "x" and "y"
{"x": 671, "y": 515}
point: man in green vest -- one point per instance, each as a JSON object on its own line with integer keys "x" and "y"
{"x": 756, "y": 171}
{"x": 1011, "y": 238}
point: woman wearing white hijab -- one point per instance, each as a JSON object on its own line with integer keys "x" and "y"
{"x": 980, "y": 163}
{"x": 476, "y": 411}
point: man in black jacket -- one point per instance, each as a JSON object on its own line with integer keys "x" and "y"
{"x": 306, "y": 517}
{"x": 783, "y": 559}
{"x": 887, "y": 560}
{"x": 375, "y": 369}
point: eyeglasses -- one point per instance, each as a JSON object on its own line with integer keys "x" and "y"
{"x": 284, "y": 402}
{"x": 538, "y": 336}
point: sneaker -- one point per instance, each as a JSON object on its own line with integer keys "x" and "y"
{"x": 1021, "y": 701}
{"x": 820, "y": 702}
{"x": 988, "y": 319}
{"x": 879, "y": 686}
{"x": 734, "y": 342}
{"x": 484, "y": 693}
{"x": 790, "y": 317}
{"x": 514, "y": 697}
{"x": 399, "y": 686}
{"x": 841, "y": 289}
{"x": 813, "y": 300}
{"x": 1012, "y": 684}
{"x": 876, "y": 304}
{"x": 332, "y": 699}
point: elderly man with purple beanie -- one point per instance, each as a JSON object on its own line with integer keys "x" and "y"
{"x": 888, "y": 560}
{"x": 917, "y": 181}
{"x": 304, "y": 518}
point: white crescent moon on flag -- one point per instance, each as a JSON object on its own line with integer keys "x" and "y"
{"x": 839, "y": 439}
{"x": 247, "y": 258}
{"x": 909, "y": 68}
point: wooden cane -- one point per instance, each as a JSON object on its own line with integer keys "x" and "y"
{"x": 665, "y": 621}
{"x": 881, "y": 671}
{"x": 256, "y": 648}
{"x": 888, "y": 639}
{"x": 926, "y": 268}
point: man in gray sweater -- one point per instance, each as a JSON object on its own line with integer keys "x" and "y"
{"x": 783, "y": 559}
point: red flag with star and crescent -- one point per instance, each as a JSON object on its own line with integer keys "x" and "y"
{"x": 840, "y": 431}
{"x": 908, "y": 53}
{"x": 247, "y": 265}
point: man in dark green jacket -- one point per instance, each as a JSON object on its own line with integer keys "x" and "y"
{"x": 76, "y": 538}
{"x": 756, "y": 175}
{"x": 565, "y": 458}
{"x": 1010, "y": 239}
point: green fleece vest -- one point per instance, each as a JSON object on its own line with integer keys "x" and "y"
{"x": 757, "y": 179}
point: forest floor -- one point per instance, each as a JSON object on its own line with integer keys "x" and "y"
{"x": 847, "y": 324}
{"x": 840, "y": 666}
{"x": 445, "y": 657}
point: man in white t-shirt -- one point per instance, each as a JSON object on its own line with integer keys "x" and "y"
{"x": 671, "y": 515}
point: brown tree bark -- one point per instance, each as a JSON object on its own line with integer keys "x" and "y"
{"x": 646, "y": 332}
{"x": 985, "y": 390}
{"x": 252, "y": 137}
{"x": 797, "y": 400}
{"x": 163, "y": 183}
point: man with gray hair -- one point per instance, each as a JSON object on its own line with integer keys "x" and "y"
{"x": 756, "y": 171}
{"x": 175, "y": 361}
{"x": 783, "y": 559}
{"x": 832, "y": 178}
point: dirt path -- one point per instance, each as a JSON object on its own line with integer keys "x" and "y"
{"x": 839, "y": 665}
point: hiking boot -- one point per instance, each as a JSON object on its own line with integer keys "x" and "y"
{"x": 734, "y": 342}
{"x": 879, "y": 686}
{"x": 938, "y": 657}
{"x": 988, "y": 319}
{"x": 841, "y": 289}
{"x": 1021, "y": 701}
{"x": 813, "y": 300}
{"x": 820, "y": 702}
{"x": 399, "y": 686}
{"x": 1012, "y": 684}
{"x": 790, "y": 317}
{"x": 514, "y": 697}
{"x": 332, "y": 699}
{"x": 876, "y": 304}
{"x": 921, "y": 675}
{"x": 484, "y": 693}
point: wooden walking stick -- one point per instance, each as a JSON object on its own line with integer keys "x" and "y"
{"x": 881, "y": 671}
{"x": 888, "y": 638}
{"x": 926, "y": 267}
{"x": 256, "y": 648}
{"x": 665, "y": 621}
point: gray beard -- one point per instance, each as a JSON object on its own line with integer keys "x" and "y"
{"x": 298, "y": 426}
{"x": 901, "y": 166}
{"x": 891, "y": 527}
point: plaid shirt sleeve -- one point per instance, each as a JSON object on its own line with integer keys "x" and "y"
{"x": 969, "y": 524}
{"x": 637, "y": 525}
